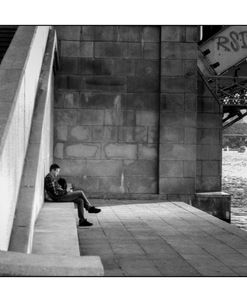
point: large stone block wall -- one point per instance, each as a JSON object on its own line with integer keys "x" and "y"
{"x": 132, "y": 114}
{"x": 209, "y": 140}
{"x": 178, "y": 111}
{"x": 107, "y": 107}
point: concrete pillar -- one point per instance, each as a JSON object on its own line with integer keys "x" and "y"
{"x": 209, "y": 140}
{"x": 178, "y": 110}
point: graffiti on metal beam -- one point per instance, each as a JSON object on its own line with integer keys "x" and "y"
{"x": 233, "y": 42}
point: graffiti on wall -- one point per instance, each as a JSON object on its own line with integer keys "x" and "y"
{"x": 234, "y": 41}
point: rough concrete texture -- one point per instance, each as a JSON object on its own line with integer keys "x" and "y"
{"x": 217, "y": 204}
{"x": 106, "y": 106}
{"x": 83, "y": 151}
{"x": 38, "y": 158}
{"x": 178, "y": 112}
{"x": 56, "y": 234}
{"x": 209, "y": 152}
{"x": 133, "y": 92}
{"x": 155, "y": 238}
{"x": 178, "y": 50}
{"x": 209, "y": 141}
{"x": 55, "y": 230}
{"x": 14, "y": 264}
{"x": 19, "y": 74}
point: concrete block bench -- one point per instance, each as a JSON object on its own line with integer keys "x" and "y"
{"x": 55, "y": 230}
{"x": 20, "y": 264}
{"x": 55, "y": 236}
{"x": 55, "y": 248}
{"x": 217, "y": 204}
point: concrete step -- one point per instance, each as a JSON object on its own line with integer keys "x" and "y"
{"x": 55, "y": 248}
{"x": 55, "y": 230}
{"x": 55, "y": 237}
{"x": 20, "y": 264}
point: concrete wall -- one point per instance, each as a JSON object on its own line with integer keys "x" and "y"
{"x": 178, "y": 111}
{"x": 209, "y": 141}
{"x": 19, "y": 74}
{"x": 131, "y": 115}
{"x": 38, "y": 158}
{"x": 106, "y": 107}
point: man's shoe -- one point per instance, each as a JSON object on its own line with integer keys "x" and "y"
{"x": 94, "y": 210}
{"x": 84, "y": 223}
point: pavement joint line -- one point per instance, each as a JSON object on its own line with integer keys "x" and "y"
{"x": 218, "y": 222}
{"x": 206, "y": 250}
{"x": 170, "y": 245}
{"x": 220, "y": 239}
{"x": 130, "y": 232}
{"x": 131, "y": 222}
{"x": 229, "y": 267}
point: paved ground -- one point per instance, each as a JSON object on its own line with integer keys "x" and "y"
{"x": 147, "y": 238}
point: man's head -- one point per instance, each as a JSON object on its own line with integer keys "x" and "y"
{"x": 54, "y": 170}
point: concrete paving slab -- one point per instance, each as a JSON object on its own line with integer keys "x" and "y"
{"x": 163, "y": 239}
{"x": 138, "y": 267}
{"x": 176, "y": 266}
{"x": 240, "y": 270}
{"x": 209, "y": 266}
{"x": 125, "y": 249}
{"x": 115, "y": 273}
{"x": 242, "y": 251}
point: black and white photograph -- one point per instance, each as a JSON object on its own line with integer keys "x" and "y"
{"x": 123, "y": 150}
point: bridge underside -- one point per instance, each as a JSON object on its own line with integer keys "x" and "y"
{"x": 131, "y": 114}
{"x": 223, "y": 65}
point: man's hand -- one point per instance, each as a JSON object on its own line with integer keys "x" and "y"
{"x": 69, "y": 187}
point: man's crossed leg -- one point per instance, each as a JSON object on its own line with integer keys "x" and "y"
{"x": 82, "y": 202}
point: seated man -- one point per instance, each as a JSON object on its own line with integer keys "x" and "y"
{"x": 63, "y": 183}
{"x": 57, "y": 193}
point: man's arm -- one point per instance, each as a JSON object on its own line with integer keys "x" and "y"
{"x": 59, "y": 189}
{"x": 50, "y": 185}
